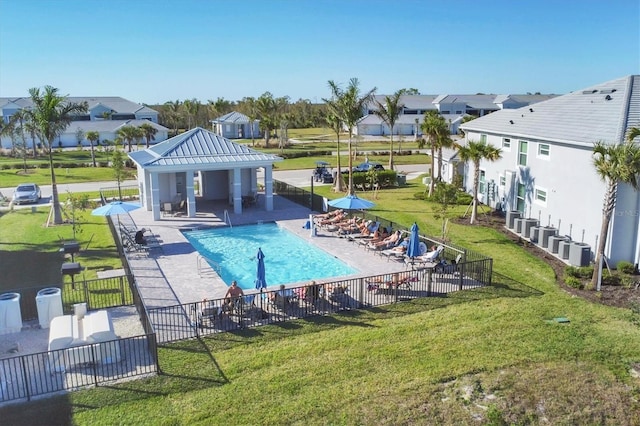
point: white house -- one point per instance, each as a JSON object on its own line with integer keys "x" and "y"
{"x": 235, "y": 125}
{"x": 452, "y": 107}
{"x": 105, "y": 114}
{"x": 546, "y": 171}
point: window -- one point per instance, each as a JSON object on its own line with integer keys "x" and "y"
{"x": 506, "y": 143}
{"x": 458, "y": 112}
{"x": 543, "y": 150}
{"x": 445, "y": 112}
{"x": 541, "y": 196}
{"x": 481, "y": 183}
{"x": 522, "y": 153}
{"x": 503, "y": 180}
{"x": 520, "y": 201}
{"x": 483, "y": 138}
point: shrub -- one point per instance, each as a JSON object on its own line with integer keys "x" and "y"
{"x": 573, "y": 282}
{"x": 571, "y": 271}
{"x": 5, "y": 166}
{"x": 611, "y": 279}
{"x": 626, "y": 267}
{"x": 43, "y": 165}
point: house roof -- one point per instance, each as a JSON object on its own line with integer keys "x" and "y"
{"x": 233, "y": 117}
{"x": 201, "y": 149}
{"x": 602, "y": 112}
{"x": 109, "y": 125}
{"x": 115, "y": 103}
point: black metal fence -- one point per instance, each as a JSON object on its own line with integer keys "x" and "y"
{"x": 124, "y": 193}
{"x": 187, "y": 321}
{"x": 41, "y": 373}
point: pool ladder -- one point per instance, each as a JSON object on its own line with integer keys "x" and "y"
{"x": 207, "y": 266}
{"x": 227, "y": 219}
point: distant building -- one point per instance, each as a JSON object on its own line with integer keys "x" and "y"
{"x": 546, "y": 171}
{"x": 105, "y": 115}
{"x": 235, "y": 125}
{"x": 452, "y": 107}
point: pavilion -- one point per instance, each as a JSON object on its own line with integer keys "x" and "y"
{"x": 224, "y": 171}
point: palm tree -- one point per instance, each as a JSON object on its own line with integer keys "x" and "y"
{"x": 93, "y": 137}
{"x": 251, "y": 113}
{"x": 389, "y": 111}
{"x": 349, "y": 105}
{"x": 50, "y": 116}
{"x": 129, "y": 134}
{"x": 475, "y": 152}
{"x": 443, "y": 140}
{"x": 335, "y": 124}
{"x": 432, "y": 129}
{"x": 614, "y": 163}
{"x": 266, "y": 108}
{"x": 149, "y": 132}
{"x": 634, "y": 132}
{"x": 192, "y": 107}
{"x": 173, "y": 113}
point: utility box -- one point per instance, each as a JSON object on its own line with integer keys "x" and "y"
{"x": 554, "y": 243}
{"x": 563, "y": 249}
{"x": 517, "y": 225}
{"x": 544, "y": 234}
{"x": 512, "y": 215}
{"x": 579, "y": 254}
{"x": 527, "y": 224}
{"x": 534, "y": 234}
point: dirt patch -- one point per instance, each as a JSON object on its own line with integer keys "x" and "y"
{"x": 609, "y": 295}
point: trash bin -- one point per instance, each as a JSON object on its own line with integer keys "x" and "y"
{"x": 49, "y": 304}
{"x": 401, "y": 179}
{"x": 10, "y": 313}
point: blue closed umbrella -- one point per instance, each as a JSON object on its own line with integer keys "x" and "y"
{"x": 413, "y": 249}
{"x": 261, "y": 281}
{"x": 351, "y": 202}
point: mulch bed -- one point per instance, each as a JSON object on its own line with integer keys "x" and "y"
{"x": 609, "y": 295}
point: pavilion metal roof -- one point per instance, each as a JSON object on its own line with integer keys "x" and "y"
{"x": 202, "y": 148}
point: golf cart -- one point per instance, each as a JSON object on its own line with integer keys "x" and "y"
{"x": 322, "y": 173}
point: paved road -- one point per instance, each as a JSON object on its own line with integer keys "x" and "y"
{"x": 301, "y": 178}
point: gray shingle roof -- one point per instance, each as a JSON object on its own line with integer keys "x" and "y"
{"x": 200, "y": 147}
{"x": 601, "y": 112}
{"x": 115, "y": 103}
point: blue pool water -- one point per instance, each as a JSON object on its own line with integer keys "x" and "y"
{"x": 287, "y": 257}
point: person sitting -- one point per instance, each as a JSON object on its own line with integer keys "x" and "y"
{"x": 233, "y": 295}
{"x": 139, "y": 237}
{"x": 312, "y": 292}
{"x": 280, "y": 298}
{"x": 402, "y": 247}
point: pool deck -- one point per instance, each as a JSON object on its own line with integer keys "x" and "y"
{"x": 170, "y": 275}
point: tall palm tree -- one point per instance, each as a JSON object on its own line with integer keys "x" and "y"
{"x": 174, "y": 112}
{"x": 149, "y": 133}
{"x": 634, "y": 132}
{"x": 93, "y": 137}
{"x": 266, "y": 109}
{"x": 335, "y": 124}
{"x": 50, "y": 116}
{"x": 432, "y": 128}
{"x": 475, "y": 152}
{"x": 192, "y": 107}
{"x": 349, "y": 108}
{"x": 614, "y": 163}
{"x": 129, "y": 134}
{"x": 389, "y": 111}
{"x": 251, "y": 113}
{"x": 443, "y": 140}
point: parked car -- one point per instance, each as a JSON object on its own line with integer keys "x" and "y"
{"x": 366, "y": 166}
{"x": 27, "y": 193}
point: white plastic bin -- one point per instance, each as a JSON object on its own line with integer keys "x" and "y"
{"x": 10, "y": 313}
{"x": 49, "y": 304}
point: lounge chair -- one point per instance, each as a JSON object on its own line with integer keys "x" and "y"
{"x": 427, "y": 260}
{"x": 383, "y": 283}
{"x": 387, "y": 243}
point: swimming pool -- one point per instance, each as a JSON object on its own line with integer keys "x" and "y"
{"x": 288, "y": 258}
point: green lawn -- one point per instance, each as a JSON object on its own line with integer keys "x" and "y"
{"x": 485, "y": 356}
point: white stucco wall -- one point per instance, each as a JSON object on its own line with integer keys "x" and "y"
{"x": 574, "y": 193}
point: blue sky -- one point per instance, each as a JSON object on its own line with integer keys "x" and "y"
{"x": 152, "y": 51}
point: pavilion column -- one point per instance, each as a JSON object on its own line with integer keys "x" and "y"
{"x": 191, "y": 195}
{"x": 237, "y": 191}
{"x": 268, "y": 188}
{"x": 155, "y": 195}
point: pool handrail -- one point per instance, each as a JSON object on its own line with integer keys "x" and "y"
{"x": 227, "y": 219}
{"x": 211, "y": 263}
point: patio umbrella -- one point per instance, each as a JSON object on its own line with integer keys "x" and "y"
{"x": 415, "y": 248}
{"x": 261, "y": 281}
{"x": 115, "y": 208}
{"x": 351, "y": 202}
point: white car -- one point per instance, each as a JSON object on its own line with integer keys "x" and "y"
{"x": 27, "y": 193}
